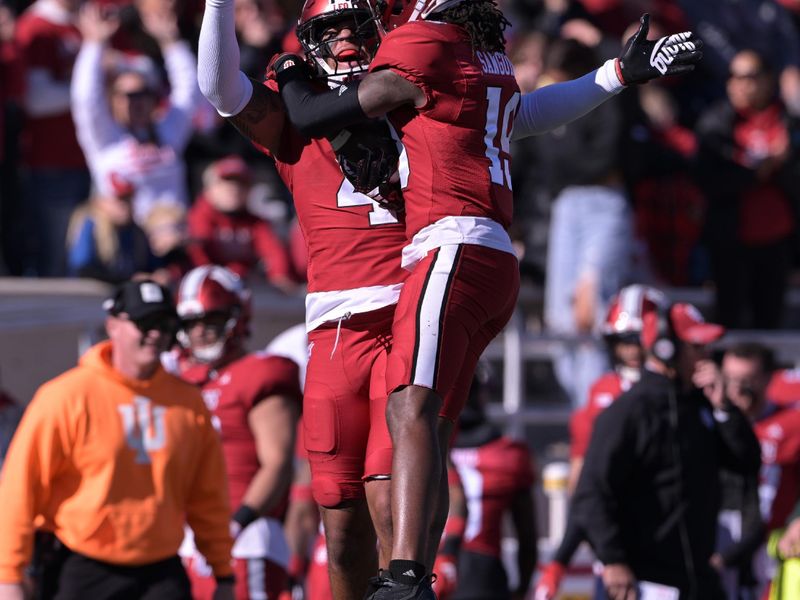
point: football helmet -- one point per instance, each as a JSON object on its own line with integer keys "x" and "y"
{"x": 317, "y": 16}
{"x": 207, "y": 290}
{"x": 394, "y": 13}
{"x": 625, "y": 317}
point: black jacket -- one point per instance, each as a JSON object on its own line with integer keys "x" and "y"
{"x": 649, "y": 492}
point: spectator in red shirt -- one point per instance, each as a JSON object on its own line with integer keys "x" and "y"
{"x": 223, "y": 231}
{"x": 57, "y": 179}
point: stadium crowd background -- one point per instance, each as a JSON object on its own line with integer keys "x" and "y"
{"x": 685, "y": 182}
{"x": 692, "y": 195}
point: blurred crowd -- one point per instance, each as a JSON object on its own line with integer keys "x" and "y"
{"x": 112, "y": 163}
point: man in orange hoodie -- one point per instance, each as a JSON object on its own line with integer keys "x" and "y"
{"x": 113, "y": 457}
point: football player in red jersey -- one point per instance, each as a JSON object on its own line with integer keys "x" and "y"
{"x": 255, "y": 402}
{"x": 451, "y": 89}
{"x": 497, "y": 476}
{"x": 622, "y": 332}
{"x": 354, "y": 277}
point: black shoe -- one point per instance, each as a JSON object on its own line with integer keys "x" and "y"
{"x": 383, "y": 587}
{"x": 375, "y": 583}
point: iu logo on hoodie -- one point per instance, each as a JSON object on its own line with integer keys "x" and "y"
{"x": 144, "y": 427}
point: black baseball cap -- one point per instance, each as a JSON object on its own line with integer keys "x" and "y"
{"x": 140, "y": 299}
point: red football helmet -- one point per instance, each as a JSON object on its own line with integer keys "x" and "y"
{"x": 627, "y": 310}
{"x": 319, "y": 15}
{"x": 394, "y": 13}
{"x": 212, "y": 289}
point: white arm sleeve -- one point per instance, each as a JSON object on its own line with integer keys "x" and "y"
{"x": 226, "y": 87}
{"x": 558, "y": 104}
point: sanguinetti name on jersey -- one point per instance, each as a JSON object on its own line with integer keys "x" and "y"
{"x": 495, "y": 63}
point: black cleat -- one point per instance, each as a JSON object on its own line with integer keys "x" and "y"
{"x": 383, "y": 587}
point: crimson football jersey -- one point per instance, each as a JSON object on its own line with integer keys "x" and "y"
{"x": 603, "y": 392}
{"x": 491, "y": 475}
{"x": 779, "y": 480}
{"x": 352, "y": 241}
{"x": 784, "y": 387}
{"x": 456, "y": 161}
{"x": 229, "y": 393}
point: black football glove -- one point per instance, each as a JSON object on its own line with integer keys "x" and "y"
{"x": 288, "y": 67}
{"x": 642, "y": 59}
{"x": 368, "y": 157}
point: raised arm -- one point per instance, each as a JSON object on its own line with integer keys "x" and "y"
{"x": 320, "y": 114}
{"x": 641, "y": 60}
{"x": 91, "y": 112}
{"x": 176, "y": 126}
{"x": 254, "y": 110}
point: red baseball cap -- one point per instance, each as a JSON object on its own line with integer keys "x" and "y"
{"x": 231, "y": 167}
{"x": 690, "y": 326}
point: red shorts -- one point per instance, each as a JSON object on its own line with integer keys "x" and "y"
{"x": 344, "y": 405}
{"x": 255, "y": 577}
{"x": 457, "y": 299}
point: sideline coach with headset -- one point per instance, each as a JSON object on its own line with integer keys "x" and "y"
{"x": 649, "y": 492}
{"x": 115, "y": 455}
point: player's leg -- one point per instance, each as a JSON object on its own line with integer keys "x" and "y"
{"x": 336, "y": 417}
{"x": 451, "y": 295}
{"x": 412, "y": 414}
{"x": 350, "y": 542}
{"x": 378, "y": 463}
{"x": 445, "y": 432}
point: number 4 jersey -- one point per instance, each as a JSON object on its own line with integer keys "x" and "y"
{"x": 354, "y": 245}
{"x": 455, "y": 169}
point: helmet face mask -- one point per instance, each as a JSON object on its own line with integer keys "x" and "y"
{"x": 318, "y": 27}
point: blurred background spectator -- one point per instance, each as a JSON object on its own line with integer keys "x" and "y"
{"x": 104, "y": 242}
{"x": 56, "y": 180}
{"x": 224, "y": 232}
{"x": 121, "y": 126}
{"x": 167, "y": 232}
{"x": 748, "y": 171}
{"x": 11, "y": 87}
{"x": 10, "y": 414}
{"x": 590, "y": 239}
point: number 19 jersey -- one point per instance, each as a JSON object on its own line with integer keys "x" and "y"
{"x": 456, "y": 161}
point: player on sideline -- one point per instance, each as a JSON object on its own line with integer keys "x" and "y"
{"x": 255, "y": 402}
{"x": 444, "y": 76}
{"x": 354, "y": 277}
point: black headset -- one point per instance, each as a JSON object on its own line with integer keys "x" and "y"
{"x": 665, "y": 346}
